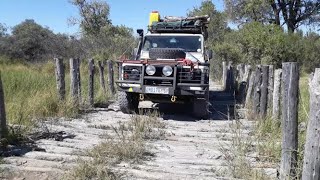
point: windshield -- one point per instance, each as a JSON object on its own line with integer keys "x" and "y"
{"x": 188, "y": 43}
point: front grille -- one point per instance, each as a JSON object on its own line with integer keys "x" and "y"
{"x": 195, "y": 76}
{"x": 160, "y": 81}
{"x": 132, "y": 73}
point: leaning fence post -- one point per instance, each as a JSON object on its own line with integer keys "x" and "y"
{"x": 290, "y": 80}
{"x": 110, "y": 76}
{"x": 73, "y": 80}
{"x": 102, "y": 81}
{"x": 276, "y": 94}
{"x": 91, "y": 82}
{"x": 257, "y": 91}
{"x": 3, "y": 120}
{"x": 264, "y": 92}
{"x": 311, "y": 161}
{"x": 60, "y": 78}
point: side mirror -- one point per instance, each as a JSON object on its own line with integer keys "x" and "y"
{"x": 140, "y": 32}
{"x": 209, "y": 54}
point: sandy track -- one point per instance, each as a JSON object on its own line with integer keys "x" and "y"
{"x": 191, "y": 149}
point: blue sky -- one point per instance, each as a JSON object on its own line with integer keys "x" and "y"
{"x": 54, "y": 13}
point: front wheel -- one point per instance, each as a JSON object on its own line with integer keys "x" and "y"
{"x": 128, "y": 102}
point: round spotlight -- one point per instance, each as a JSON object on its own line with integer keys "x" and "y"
{"x": 150, "y": 70}
{"x": 167, "y": 70}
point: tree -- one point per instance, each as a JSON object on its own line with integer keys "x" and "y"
{"x": 30, "y": 41}
{"x": 293, "y": 13}
{"x": 94, "y": 15}
{"x": 3, "y": 30}
{"x": 218, "y": 23}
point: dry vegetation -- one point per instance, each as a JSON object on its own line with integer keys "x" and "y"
{"x": 267, "y": 133}
{"x": 30, "y": 92}
{"x": 128, "y": 143}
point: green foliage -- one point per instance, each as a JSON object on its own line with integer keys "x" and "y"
{"x": 94, "y": 15}
{"x": 256, "y": 43}
{"x": 253, "y": 44}
{"x": 112, "y": 42}
{"x": 241, "y": 11}
{"x": 218, "y": 22}
{"x": 31, "y": 42}
{"x": 3, "y": 30}
{"x": 293, "y": 13}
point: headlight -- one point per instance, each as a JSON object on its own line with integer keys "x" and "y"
{"x": 135, "y": 71}
{"x": 167, "y": 70}
{"x": 150, "y": 70}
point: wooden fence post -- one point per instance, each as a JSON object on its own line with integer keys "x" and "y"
{"x": 102, "y": 81}
{"x": 224, "y": 74}
{"x": 311, "y": 161}
{"x": 247, "y": 72}
{"x": 3, "y": 120}
{"x": 257, "y": 91}
{"x": 240, "y": 72}
{"x": 244, "y": 73}
{"x": 78, "y": 79}
{"x": 110, "y": 76}
{"x": 250, "y": 89}
{"x": 91, "y": 82}
{"x": 264, "y": 91}
{"x": 276, "y": 95}
{"x": 270, "y": 86}
{"x": 73, "y": 82}
{"x": 290, "y": 80}
{"x": 60, "y": 77}
{"x": 231, "y": 78}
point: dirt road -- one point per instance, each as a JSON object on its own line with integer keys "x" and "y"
{"x": 191, "y": 150}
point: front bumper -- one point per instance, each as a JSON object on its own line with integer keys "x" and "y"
{"x": 176, "y": 87}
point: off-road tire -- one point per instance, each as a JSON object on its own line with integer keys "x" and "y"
{"x": 166, "y": 53}
{"x": 128, "y": 102}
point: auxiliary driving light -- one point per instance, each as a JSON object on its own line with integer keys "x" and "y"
{"x": 150, "y": 70}
{"x": 167, "y": 70}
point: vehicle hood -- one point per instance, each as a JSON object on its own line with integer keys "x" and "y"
{"x": 195, "y": 56}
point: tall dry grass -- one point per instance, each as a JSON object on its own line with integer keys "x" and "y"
{"x": 268, "y": 131}
{"x": 31, "y": 94}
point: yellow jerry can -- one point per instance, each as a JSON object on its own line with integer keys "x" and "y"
{"x": 154, "y": 17}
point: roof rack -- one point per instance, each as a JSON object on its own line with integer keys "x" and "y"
{"x": 171, "y": 24}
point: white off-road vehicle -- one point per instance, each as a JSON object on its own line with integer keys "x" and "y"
{"x": 171, "y": 64}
